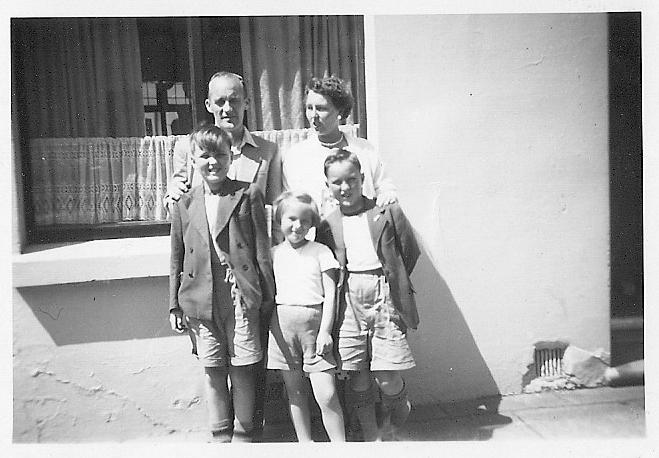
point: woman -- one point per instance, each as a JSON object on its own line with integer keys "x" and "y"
{"x": 328, "y": 102}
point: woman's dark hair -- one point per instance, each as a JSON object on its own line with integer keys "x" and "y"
{"x": 336, "y": 90}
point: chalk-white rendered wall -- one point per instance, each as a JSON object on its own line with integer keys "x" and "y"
{"x": 494, "y": 128}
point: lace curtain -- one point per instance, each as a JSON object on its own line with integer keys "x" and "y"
{"x": 110, "y": 180}
{"x": 100, "y": 180}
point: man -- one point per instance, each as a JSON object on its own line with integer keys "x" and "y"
{"x": 255, "y": 160}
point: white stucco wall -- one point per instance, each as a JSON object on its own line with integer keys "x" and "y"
{"x": 495, "y": 129}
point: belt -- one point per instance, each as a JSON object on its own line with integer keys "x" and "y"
{"x": 377, "y": 271}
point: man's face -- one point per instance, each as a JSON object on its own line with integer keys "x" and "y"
{"x": 345, "y": 183}
{"x": 213, "y": 166}
{"x": 227, "y": 103}
{"x": 323, "y": 116}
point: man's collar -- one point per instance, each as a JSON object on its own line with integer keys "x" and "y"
{"x": 247, "y": 139}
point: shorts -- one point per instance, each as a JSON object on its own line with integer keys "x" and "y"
{"x": 292, "y": 339}
{"x": 235, "y": 340}
{"x": 371, "y": 332}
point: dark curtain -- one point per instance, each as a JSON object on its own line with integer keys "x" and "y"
{"x": 81, "y": 77}
{"x": 280, "y": 54}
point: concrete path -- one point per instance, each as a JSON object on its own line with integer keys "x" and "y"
{"x": 577, "y": 414}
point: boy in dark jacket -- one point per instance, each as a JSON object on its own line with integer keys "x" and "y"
{"x": 221, "y": 281}
{"x": 377, "y": 251}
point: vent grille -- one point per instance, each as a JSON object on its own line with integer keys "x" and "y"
{"x": 548, "y": 361}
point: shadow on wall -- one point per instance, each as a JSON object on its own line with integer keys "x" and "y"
{"x": 445, "y": 350}
{"x": 101, "y": 311}
{"x": 450, "y": 367}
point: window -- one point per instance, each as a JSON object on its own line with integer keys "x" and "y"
{"x": 98, "y": 103}
{"x": 94, "y": 175}
{"x": 167, "y": 107}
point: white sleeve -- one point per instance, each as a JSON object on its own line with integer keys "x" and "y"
{"x": 288, "y": 168}
{"x": 326, "y": 258}
{"x": 381, "y": 181}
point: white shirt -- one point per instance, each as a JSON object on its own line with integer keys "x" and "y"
{"x": 242, "y": 168}
{"x": 298, "y": 272}
{"x": 303, "y": 169}
{"x": 212, "y": 202}
{"x": 359, "y": 244}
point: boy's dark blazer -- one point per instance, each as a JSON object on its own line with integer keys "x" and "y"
{"x": 191, "y": 278}
{"x": 395, "y": 245}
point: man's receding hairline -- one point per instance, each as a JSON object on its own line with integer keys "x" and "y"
{"x": 230, "y": 76}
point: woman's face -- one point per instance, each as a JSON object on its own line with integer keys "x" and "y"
{"x": 323, "y": 116}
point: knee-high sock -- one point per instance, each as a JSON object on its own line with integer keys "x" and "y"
{"x": 362, "y": 403}
{"x": 221, "y": 431}
{"x": 397, "y": 406}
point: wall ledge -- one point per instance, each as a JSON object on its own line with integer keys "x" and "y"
{"x": 95, "y": 260}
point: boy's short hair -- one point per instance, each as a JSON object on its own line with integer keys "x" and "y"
{"x": 285, "y": 198}
{"x": 334, "y": 89}
{"x": 209, "y": 137}
{"x": 229, "y": 75}
{"x": 342, "y": 155}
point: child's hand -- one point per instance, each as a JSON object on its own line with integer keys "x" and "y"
{"x": 386, "y": 198}
{"x": 176, "y": 321}
{"x": 323, "y": 343}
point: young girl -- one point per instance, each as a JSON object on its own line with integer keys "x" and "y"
{"x": 300, "y": 331}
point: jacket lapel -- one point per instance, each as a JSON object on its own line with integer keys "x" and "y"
{"x": 197, "y": 211}
{"x": 225, "y": 209}
{"x": 377, "y": 220}
{"x": 336, "y": 225}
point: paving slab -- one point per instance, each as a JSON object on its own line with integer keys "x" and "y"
{"x": 516, "y": 430}
{"x": 602, "y": 394}
{"x": 444, "y": 429}
{"x": 526, "y": 401}
{"x": 607, "y": 420}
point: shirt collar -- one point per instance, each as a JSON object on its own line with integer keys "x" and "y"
{"x": 207, "y": 190}
{"x": 246, "y": 140}
{"x": 222, "y": 190}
